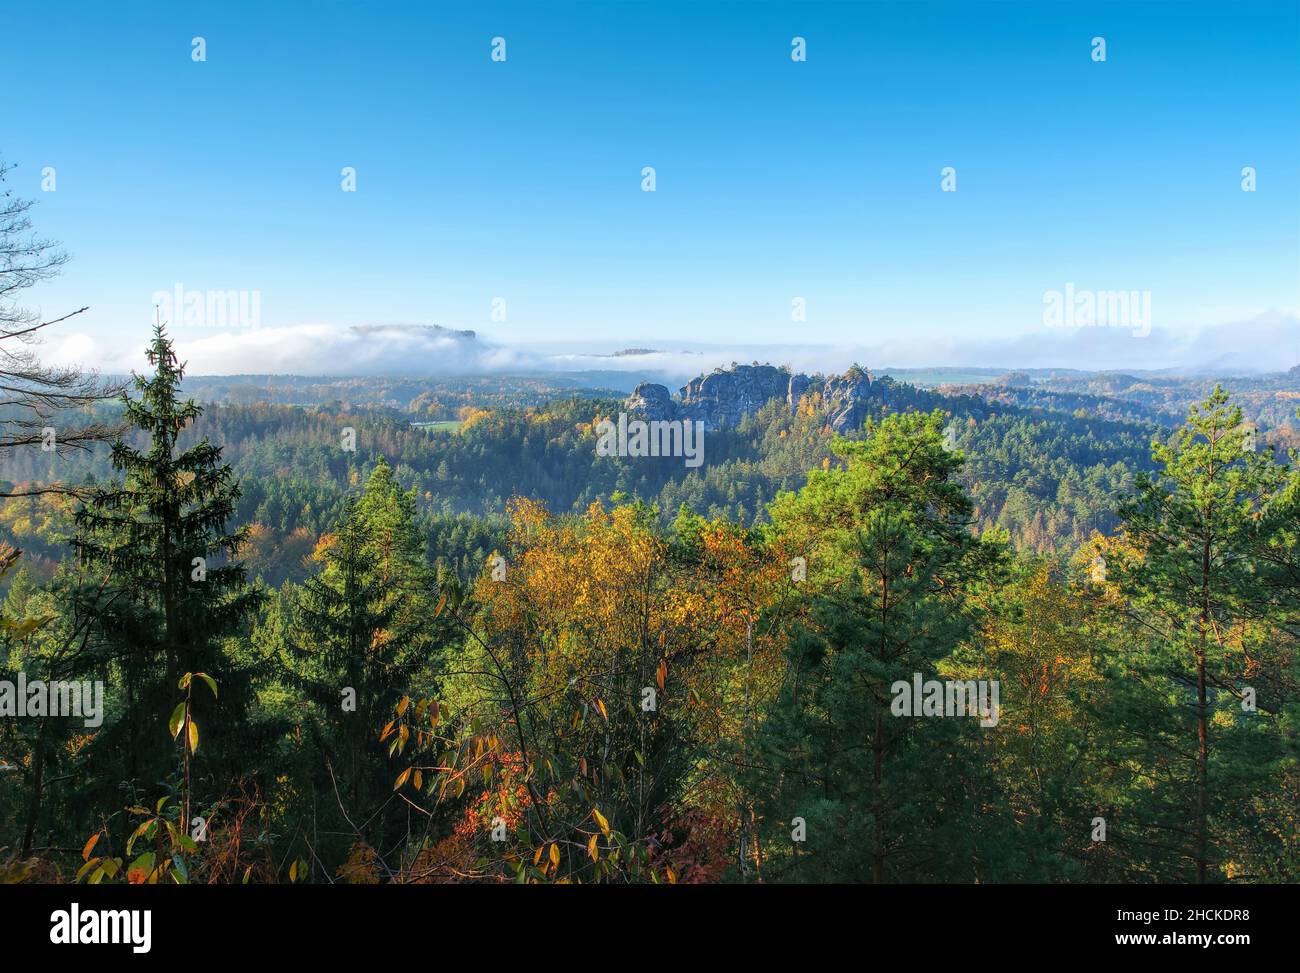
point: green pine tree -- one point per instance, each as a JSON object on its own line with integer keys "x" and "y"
{"x": 890, "y": 556}
{"x": 1198, "y": 523}
{"x": 161, "y": 566}
{"x": 362, "y": 633}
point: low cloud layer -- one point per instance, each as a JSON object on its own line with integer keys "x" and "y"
{"x": 1267, "y": 342}
{"x": 314, "y": 349}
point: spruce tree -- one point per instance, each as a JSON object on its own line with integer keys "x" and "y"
{"x": 362, "y": 632}
{"x": 161, "y": 564}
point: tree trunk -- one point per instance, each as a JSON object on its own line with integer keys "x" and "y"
{"x": 878, "y": 829}
{"x": 1203, "y": 750}
{"x": 38, "y": 786}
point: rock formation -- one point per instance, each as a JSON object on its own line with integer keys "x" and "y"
{"x": 725, "y": 396}
{"x": 651, "y": 401}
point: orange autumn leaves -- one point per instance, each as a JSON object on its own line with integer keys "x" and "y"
{"x": 605, "y": 591}
{"x": 606, "y": 648}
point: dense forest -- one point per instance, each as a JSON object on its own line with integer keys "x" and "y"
{"x": 1048, "y": 479}
{"x": 1033, "y": 630}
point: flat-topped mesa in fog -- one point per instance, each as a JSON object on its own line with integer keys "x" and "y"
{"x": 726, "y": 395}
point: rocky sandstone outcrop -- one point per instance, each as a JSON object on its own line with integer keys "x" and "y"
{"x": 651, "y": 401}
{"x": 846, "y": 399}
{"x": 725, "y": 396}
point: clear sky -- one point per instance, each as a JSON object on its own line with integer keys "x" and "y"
{"x": 775, "y": 179}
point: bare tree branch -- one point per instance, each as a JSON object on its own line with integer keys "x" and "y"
{"x": 41, "y": 406}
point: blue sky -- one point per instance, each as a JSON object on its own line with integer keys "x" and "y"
{"x": 775, "y": 179}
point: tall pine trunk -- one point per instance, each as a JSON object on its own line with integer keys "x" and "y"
{"x": 1203, "y": 749}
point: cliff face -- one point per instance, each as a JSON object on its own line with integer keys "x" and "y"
{"x": 846, "y": 399}
{"x": 722, "y": 398}
{"x": 651, "y": 401}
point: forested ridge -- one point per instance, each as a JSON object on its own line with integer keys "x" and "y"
{"x": 1048, "y": 478}
{"x": 480, "y": 652}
